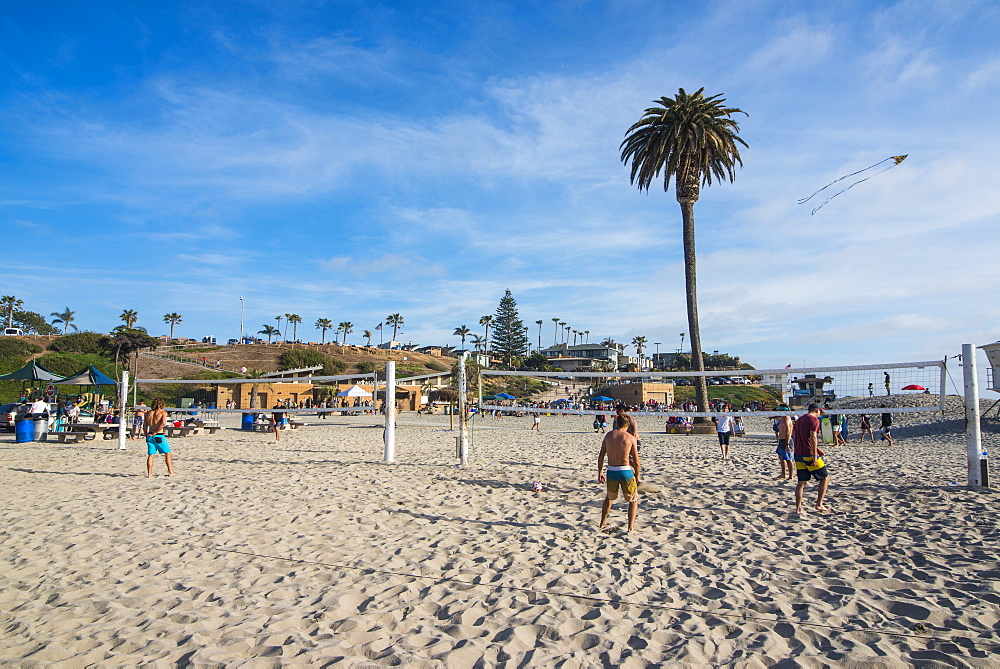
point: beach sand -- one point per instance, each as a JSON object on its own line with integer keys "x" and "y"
{"x": 313, "y": 551}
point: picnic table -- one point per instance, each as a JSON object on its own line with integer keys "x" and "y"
{"x": 74, "y": 432}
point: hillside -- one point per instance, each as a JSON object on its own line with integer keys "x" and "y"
{"x": 267, "y": 357}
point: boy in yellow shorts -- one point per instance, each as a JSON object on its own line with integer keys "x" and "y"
{"x": 621, "y": 450}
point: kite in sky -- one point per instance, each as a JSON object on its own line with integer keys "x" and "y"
{"x": 896, "y": 160}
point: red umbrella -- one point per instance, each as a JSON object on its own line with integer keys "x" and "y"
{"x": 913, "y": 386}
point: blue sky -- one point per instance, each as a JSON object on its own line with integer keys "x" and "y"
{"x": 348, "y": 160}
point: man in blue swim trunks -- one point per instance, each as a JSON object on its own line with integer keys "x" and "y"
{"x": 622, "y": 452}
{"x": 156, "y": 441}
{"x": 784, "y": 449}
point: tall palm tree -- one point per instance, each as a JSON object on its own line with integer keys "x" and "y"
{"x": 10, "y": 303}
{"x": 539, "y": 324}
{"x": 477, "y": 341}
{"x": 294, "y": 319}
{"x": 129, "y": 317}
{"x": 324, "y": 324}
{"x": 562, "y": 329}
{"x": 486, "y": 321}
{"x": 462, "y": 332}
{"x": 691, "y": 139}
{"x": 173, "y": 318}
{"x": 587, "y": 332}
{"x": 555, "y": 332}
{"x": 396, "y": 321}
{"x": 568, "y": 328}
{"x": 270, "y": 331}
{"x": 347, "y": 328}
{"x": 66, "y": 318}
{"x": 278, "y": 319}
{"x": 640, "y": 345}
{"x": 367, "y": 334}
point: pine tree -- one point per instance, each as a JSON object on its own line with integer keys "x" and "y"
{"x": 510, "y": 339}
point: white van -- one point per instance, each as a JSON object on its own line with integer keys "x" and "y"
{"x": 13, "y": 332}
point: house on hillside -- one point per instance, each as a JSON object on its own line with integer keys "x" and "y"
{"x": 582, "y": 357}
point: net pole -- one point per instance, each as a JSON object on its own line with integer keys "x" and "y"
{"x": 974, "y": 438}
{"x": 390, "y": 412}
{"x": 122, "y": 398}
{"x": 943, "y": 393}
{"x": 463, "y": 428}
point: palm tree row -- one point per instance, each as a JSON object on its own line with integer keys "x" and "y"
{"x": 563, "y": 331}
{"x": 324, "y": 324}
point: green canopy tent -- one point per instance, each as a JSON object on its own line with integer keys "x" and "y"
{"x": 32, "y": 372}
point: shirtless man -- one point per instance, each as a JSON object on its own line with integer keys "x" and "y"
{"x": 156, "y": 442}
{"x": 620, "y": 447}
{"x": 784, "y": 449}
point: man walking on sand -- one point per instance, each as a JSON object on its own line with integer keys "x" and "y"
{"x": 622, "y": 452}
{"x": 156, "y": 442}
{"x": 809, "y": 459}
{"x": 784, "y": 449}
{"x": 536, "y": 422}
{"x": 278, "y": 417}
{"x": 724, "y": 429}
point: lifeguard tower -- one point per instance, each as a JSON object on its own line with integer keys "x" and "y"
{"x": 993, "y": 374}
{"x": 810, "y": 389}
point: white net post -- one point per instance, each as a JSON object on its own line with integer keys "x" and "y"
{"x": 463, "y": 413}
{"x": 122, "y": 398}
{"x": 390, "y": 412}
{"x": 974, "y": 438}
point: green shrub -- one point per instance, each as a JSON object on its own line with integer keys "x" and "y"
{"x": 12, "y": 347}
{"x": 298, "y": 358}
{"x": 366, "y": 367}
{"x": 436, "y": 366}
{"x": 78, "y": 342}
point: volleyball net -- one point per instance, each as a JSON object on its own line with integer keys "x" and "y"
{"x": 898, "y": 387}
{"x": 350, "y": 402}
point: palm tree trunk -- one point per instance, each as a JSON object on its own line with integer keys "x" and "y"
{"x": 691, "y": 294}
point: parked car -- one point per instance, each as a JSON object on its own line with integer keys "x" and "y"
{"x": 682, "y": 382}
{"x": 12, "y": 332}
{"x": 7, "y": 415}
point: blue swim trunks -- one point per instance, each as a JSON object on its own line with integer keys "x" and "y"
{"x": 157, "y": 444}
{"x": 783, "y": 451}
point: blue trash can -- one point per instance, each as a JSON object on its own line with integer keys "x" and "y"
{"x": 248, "y": 421}
{"x": 24, "y": 430}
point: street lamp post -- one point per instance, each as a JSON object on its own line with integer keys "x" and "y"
{"x": 657, "y": 345}
{"x": 241, "y": 320}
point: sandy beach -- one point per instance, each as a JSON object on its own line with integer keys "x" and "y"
{"x": 312, "y": 551}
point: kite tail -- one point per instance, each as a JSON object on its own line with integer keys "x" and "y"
{"x": 898, "y": 160}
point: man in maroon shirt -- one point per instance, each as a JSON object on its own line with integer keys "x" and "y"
{"x": 809, "y": 459}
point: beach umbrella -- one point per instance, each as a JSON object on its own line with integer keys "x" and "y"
{"x": 913, "y": 386}
{"x": 561, "y": 401}
{"x": 354, "y": 391}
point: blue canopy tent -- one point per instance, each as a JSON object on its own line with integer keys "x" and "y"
{"x": 602, "y": 398}
{"x": 505, "y": 396}
{"x": 91, "y": 376}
